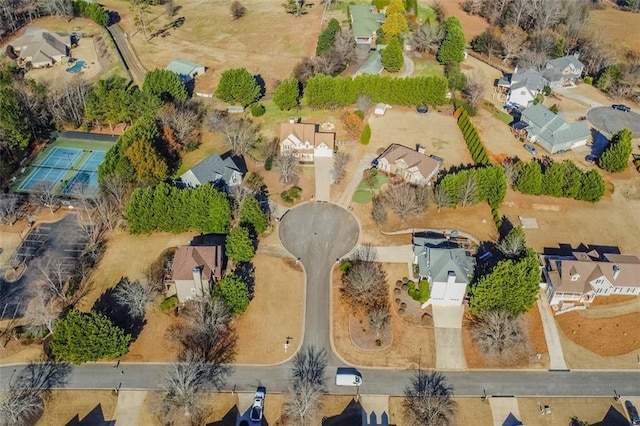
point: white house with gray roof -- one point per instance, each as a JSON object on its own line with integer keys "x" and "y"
{"x": 563, "y": 71}
{"x": 213, "y": 169}
{"x": 42, "y": 48}
{"x": 551, "y": 131}
{"x": 522, "y": 86}
{"x": 186, "y": 70}
{"x": 448, "y": 269}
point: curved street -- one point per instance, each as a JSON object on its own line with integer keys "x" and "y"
{"x": 128, "y": 56}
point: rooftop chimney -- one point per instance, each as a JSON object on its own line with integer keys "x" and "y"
{"x": 451, "y": 277}
{"x": 616, "y": 272}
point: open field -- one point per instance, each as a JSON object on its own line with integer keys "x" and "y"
{"x": 471, "y": 24}
{"x": 266, "y": 41}
{"x": 616, "y": 24}
{"x": 75, "y": 407}
{"x": 409, "y": 342}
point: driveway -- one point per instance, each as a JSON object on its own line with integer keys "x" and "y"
{"x": 323, "y": 167}
{"x": 317, "y": 234}
{"x": 505, "y": 411}
{"x": 577, "y": 97}
{"x": 127, "y": 54}
{"x": 610, "y": 121}
{"x": 347, "y": 195}
{"x": 447, "y": 322}
{"x": 556, "y": 357}
{"x": 129, "y": 406}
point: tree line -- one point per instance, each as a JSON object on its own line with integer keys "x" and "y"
{"x": 472, "y": 138}
{"x": 471, "y": 186}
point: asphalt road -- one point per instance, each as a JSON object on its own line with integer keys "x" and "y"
{"x": 318, "y": 233}
{"x": 127, "y": 54}
{"x": 375, "y": 382}
{"x": 610, "y": 121}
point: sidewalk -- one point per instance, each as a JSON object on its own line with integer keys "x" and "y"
{"x": 556, "y": 358}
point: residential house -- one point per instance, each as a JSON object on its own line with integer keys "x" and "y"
{"x": 197, "y": 266}
{"x": 447, "y": 267}
{"x": 365, "y": 21}
{"x": 42, "y": 48}
{"x": 372, "y": 66}
{"x": 408, "y": 164}
{"x": 575, "y": 280}
{"x": 563, "y": 71}
{"x": 551, "y": 131}
{"x": 213, "y": 169}
{"x": 305, "y": 142}
{"x": 522, "y": 86}
{"x": 186, "y": 70}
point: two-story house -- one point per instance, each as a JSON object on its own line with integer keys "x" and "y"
{"x": 563, "y": 71}
{"x": 408, "y": 164}
{"x": 551, "y": 131}
{"x": 447, "y": 267}
{"x": 197, "y": 266}
{"x": 522, "y": 86}
{"x": 305, "y": 142}
{"x": 575, "y": 280}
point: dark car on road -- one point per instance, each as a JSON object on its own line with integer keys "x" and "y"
{"x": 633, "y": 413}
{"x": 621, "y": 107}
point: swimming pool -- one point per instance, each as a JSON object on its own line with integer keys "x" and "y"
{"x": 76, "y": 67}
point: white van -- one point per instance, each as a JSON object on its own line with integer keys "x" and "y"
{"x": 348, "y": 377}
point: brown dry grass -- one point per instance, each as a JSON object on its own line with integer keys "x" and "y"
{"x": 471, "y": 411}
{"x": 591, "y": 410}
{"x": 616, "y": 24}
{"x": 61, "y": 408}
{"x": 275, "y": 313}
{"x": 409, "y": 342}
{"x": 306, "y": 181}
{"x": 475, "y": 359}
{"x": 472, "y": 25}
{"x": 152, "y": 344}
{"x": 612, "y": 336}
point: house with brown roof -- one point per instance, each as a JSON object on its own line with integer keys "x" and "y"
{"x": 197, "y": 266}
{"x": 574, "y": 281}
{"x": 410, "y": 165}
{"x": 305, "y": 142}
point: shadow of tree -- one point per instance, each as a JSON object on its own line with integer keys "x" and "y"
{"x": 119, "y": 314}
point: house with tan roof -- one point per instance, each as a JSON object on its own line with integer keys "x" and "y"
{"x": 305, "y": 142}
{"x": 410, "y": 165}
{"x": 574, "y": 281}
{"x": 42, "y": 48}
{"x": 197, "y": 266}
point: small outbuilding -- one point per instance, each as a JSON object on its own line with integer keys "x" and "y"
{"x": 186, "y": 70}
{"x": 381, "y": 109}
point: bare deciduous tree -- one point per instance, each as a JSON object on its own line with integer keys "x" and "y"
{"x": 379, "y": 317}
{"x": 288, "y": 167}
{"x": 20, "y": 407}
{"x": 309, "y": 366}
{"x": 55, "y": 276}
{"x": 115, "y": 186}
{"x": 427, "y": 36}
{"x": 43, "y": 311}
{"x": 44, "y": 193}
{"x": 429, "y": 400}
{"x": 67, "y": 101}
{"x": 403, "y": 200}
{"x": 365, "y": 285}
{"x": 510, "y": 170}
{"x": 474, "y": 92}
{"x": 184, "y": 119}
{"x": 441, "y": 197}
{"x": 468, "y": 192}
{"x": 303, "y": 402}
{"x": 500, "y": 336}
{"x": 378, "y": 209}
{"x": 216, "y": 120}
{"x": 340, "y": 161}
{"x": 10, "y": 209}
{"x": 135, "y": 296}
{"x": 513, "y": 37}
{"x": 240, "y": 135}
{"x": 185, "y": 384}
{"x": 363, "y": 102}
{"x": 238, "y": 194}
{"x": 514, "y": 243}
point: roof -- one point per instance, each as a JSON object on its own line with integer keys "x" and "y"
{"x": 364, "y": 22}
{"x": 552, "y": 128}
{"x": 554, "y": 68}
{"x": 298, "y": 133}
{"x": 208, "y": 259}
{"x": 214, "y": 168}
{"x": 41, "y": 45}
{"x": 186, "y": 70}
{"x": 373, "y": 65}
{"x": 439, "y": 261}
{"x": 413, "y": 159}
{"x": 528, "y": 78}
{"x": 561, "y": 269}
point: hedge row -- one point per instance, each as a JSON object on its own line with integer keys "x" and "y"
{"x": 471, "y": 186}
{"x": 472, "y": 138}
{"x": 327, "y": 92}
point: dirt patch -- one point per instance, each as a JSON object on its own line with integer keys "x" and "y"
{"x": 275, "y": 313}
{"x": 533, "y": 323}
{"x": 589, "y": 223}
{"x": 88, "y": 407}
{"x": 472, "y": 25}
{"x": 364, "y": 337}
{"x": 611, "y": 336}
{"x": 590, "y": 410}
{"x": 408, "y": 342}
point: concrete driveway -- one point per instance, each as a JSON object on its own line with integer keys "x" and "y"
{"x": 447, "y": 322}
{"x": 556, "y": 356}
{"x": 505, "y": 411}
{"x": 129, "y": 405}
{"x": 347, "y": 195}
{"x": 317, "y": 234}
{"x": 610, "y": 121}
{"x": 323, "y": 167}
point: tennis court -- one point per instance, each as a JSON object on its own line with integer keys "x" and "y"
{"x": 69, "y": 165}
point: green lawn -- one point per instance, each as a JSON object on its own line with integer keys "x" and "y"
{"x": 427, "y": 68}
{"x": 426, "y": 14}
{"x": 363, "y": 194}
{"x": 504, "y": 117}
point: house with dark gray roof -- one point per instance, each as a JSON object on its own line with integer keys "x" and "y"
{"x": 42, "y": 48}
{"x": 551, "y": 131}
{"x": 522, "y": 86}
{"x": 365, "y": 21}
{"x": 563, "y": 71}
{"x": 447, "y": 267}
{"x": 213, "y": 169}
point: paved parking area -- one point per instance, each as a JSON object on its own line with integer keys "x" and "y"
{"x": 610, "y": 121}
{"x": 60, "y": 243}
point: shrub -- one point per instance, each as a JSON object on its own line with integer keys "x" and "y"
{"x": 257, "y": 110}
{"x": 346, "y": 266}
{"x": 360, "y": 114}
{"x": 419, "y": 293}
{"x": 365, "y": 137}
{"x": 554, "y": 108}
{"x": 588, "y": 80}
{"x": 268, "y": 164}
{"x": 168, "y": 303}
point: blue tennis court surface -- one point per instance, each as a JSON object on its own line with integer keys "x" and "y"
{"x": 61, "y": 158}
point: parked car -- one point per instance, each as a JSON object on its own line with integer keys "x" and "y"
{"x": 591, "y": 159}
{"x": 531, "y": 149}
{"x": 258, "y": 404}
{"x": 422, "y": 109}
{"x": 633, "y": 413}
{"x": 621, "y": 107}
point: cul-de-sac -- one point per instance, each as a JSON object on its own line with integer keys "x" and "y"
{"x": 320, "y": 213}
